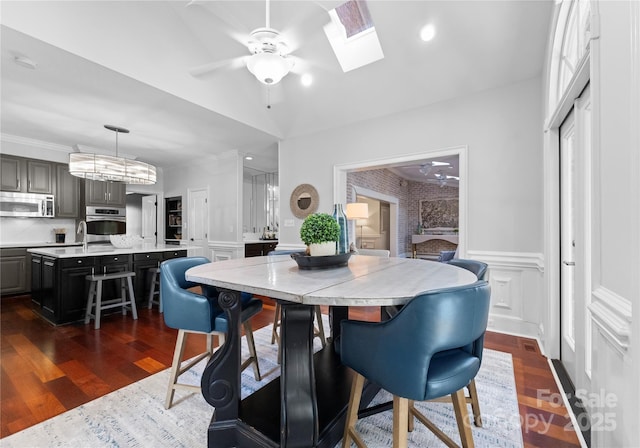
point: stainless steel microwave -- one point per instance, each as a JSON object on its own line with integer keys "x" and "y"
{"x": 26, "y": 205}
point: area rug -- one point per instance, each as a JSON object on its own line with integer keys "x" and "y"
{"x": 134, "y": 416}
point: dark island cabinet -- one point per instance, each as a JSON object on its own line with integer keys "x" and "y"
{"x": 43, "y": 285}
{"x": 259, "y": 249}
{"x": 142, "y": 281}
{"x": 36, "y": 280}
{"x": 174, "y": 254}
{"x": 73, "y": 287}
{"x": 59, "y": 288}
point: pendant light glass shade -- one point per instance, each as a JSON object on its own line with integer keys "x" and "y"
{"x": 109, "y": 168}
{"x": 269, "y": 68}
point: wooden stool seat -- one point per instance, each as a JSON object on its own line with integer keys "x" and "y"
{"x": 95, "y": 292}
{"x": 155, "y": 289}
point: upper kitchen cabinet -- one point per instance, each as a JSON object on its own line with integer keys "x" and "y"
{"x": 11, "y": 179}
{"x": 67, "y": 193}
{"x": 105, "y": 193}
{"x": 26, "y": 175}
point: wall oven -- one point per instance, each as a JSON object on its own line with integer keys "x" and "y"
{"x": 105, "y": 221}
{"x": 26, "y": 205}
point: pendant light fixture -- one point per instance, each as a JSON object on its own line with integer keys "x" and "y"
{"x": 114, "y": 169}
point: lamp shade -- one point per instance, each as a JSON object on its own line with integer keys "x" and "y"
{"x": 109, "y": 168}
{"x": 357, "y": 210}
{"x": 269, "y": 68}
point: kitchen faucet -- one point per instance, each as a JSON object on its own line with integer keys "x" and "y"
{"x": 82, "y": 227}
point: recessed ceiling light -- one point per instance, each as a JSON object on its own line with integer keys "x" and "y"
{"x": 306, "y": 80}
{"x": 25, "y": 62}
{"x": 248, "y": 158}
{"x": 427, "y": 32}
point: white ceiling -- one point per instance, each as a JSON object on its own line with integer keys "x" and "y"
{"x": 127, "y": 64}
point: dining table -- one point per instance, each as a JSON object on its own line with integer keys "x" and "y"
{"x": 306, "y": 405}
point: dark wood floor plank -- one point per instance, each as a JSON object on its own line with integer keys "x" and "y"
{"x": 67, "y": 392}
{"x": 76, "y": 364}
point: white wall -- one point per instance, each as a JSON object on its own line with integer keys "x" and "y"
{"x": 502, "y": 129}
{"x": 34, "y": 230}
{"x": 222, "y": 175}
{"x": 615, "y": 205}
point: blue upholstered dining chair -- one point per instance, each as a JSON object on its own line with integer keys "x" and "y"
{"x": 318, "y": 330}
{"x": 477, "y": 267}
{"x": 431, "y": 349}
{"x": 191, "y": 312}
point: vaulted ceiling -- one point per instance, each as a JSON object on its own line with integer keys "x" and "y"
{"x": 127, "y": 64}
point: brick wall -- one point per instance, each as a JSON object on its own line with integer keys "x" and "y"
{"x": 409, "y": 195}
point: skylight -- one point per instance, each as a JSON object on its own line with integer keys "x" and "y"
{"x": 352, "y": 35}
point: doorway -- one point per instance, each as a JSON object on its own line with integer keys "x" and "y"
{"x": 375, "y": 231}
{"x": 400, "y": 230}
{"x": 150, "y": 218}
{"x": 574, "y": 363}
{"x": 198, "y": 220}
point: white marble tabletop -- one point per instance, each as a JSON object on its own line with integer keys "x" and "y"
{"x": 365, "y": 281}
{"x": 104, "y": 249}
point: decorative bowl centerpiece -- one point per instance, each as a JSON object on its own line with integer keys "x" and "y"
{"x": 125, "y": 241}
{"x": 321, "y": 262}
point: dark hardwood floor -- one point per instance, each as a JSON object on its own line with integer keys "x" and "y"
{"x": 46, "y": 370}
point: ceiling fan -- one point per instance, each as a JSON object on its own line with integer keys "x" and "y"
{"x": 442, "y": 179}
{"x": 427, "y": 167}
{"x": 269, "y": 58}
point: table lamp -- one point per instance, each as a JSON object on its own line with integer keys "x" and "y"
{"x": 358, "y": 210}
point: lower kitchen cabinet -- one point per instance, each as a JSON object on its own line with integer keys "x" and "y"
{"x": 174, "y": 254}
{"x": 73, "y": 288}
{"x": 142, "y": 281}
{"x": 15, "y": 276}
{"x": 259, "y": 249}
{"x": 59, "y": 288}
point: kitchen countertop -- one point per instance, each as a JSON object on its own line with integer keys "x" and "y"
{"x": 38, "y": 244}
{"x": 259, "y": 241}
{"x": 104, "y": 249}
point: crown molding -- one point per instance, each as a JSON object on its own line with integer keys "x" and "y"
{"x": 9, "y": 138}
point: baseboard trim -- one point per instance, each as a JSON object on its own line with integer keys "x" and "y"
{"x": 579, "y": 416}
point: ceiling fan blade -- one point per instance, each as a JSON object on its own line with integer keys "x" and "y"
{"x": 226, "y": 64}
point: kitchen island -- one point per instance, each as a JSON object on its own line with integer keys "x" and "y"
{"x": 58, "y": 286}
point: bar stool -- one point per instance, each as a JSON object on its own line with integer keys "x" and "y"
{"x": 95, "y": 291}
{"x": 154, "y": 289}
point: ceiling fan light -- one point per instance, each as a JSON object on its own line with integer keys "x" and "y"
{"x": 269, "y": 68}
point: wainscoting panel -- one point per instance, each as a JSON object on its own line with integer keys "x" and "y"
{"x": 516, "y": 281}
{"x": 225, "y": 250}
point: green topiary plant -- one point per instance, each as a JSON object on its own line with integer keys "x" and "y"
{"x": 319, "y": 228}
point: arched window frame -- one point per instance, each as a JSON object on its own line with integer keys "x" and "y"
{"x": 571, "y": 40}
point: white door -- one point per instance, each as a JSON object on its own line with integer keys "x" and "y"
{"x": 575, "y": 234}
{"x": 149, "y": 218}
{"x": 567, "y": 244}
{"x": 198, "y": 223}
